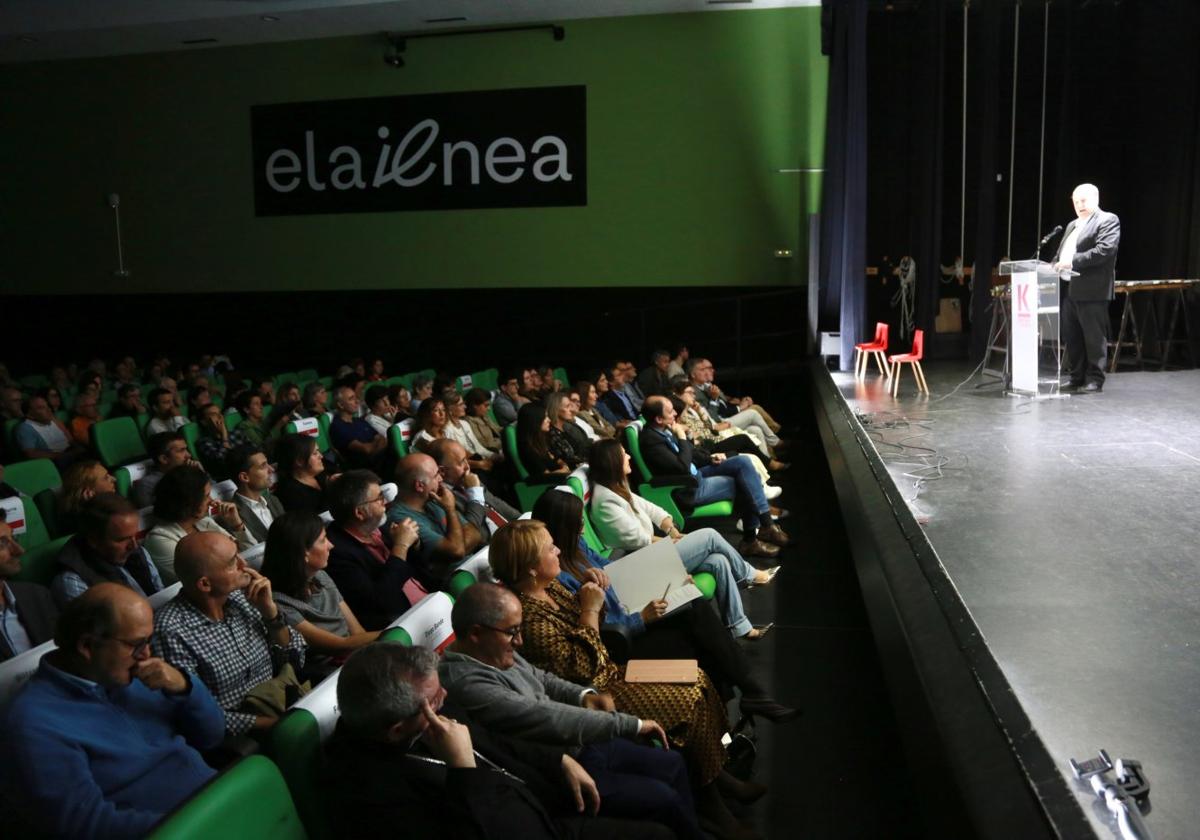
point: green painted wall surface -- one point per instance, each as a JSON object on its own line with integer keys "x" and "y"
{"x": 690, "y": 117}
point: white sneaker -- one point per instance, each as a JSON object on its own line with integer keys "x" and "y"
{"x": 772, "y": 492}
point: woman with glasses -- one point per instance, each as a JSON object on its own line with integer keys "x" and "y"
{"x": 561, "y": 634}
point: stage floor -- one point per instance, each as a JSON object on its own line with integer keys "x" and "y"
{"x": 1070, "y": 530}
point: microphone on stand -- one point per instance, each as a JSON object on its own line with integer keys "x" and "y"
{"x": 1046, "y": 240}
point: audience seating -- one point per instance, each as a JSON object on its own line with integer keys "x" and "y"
{"x": 397, "y": 440}
{"x": 131, "y": 474}
{"x": 249, "y": 801}
{"x": 26, "y": 522}
{"x": 310, "y": 427}
{"x": 295, "y": 745}
{"x": 39, "y": 563}
{"x": 118, "y": 442}
{"x": 427, "y": 623}
{"x": 191, "y": 432}
{"x": 528, "y": 490}
{"x": 469, "y": 571}
{"x": 659, "y": 489}
{"x": 34, "y": 476}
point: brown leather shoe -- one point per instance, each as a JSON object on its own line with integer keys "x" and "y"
{"x": 773, "y": 534}
{"x": 757, "y": 548}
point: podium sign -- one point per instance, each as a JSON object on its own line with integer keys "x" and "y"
{"x": 1034, "y": 321}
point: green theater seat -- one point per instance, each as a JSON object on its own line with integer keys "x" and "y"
{"x": 659, "y": 490}
{"x": 118, "y": 442}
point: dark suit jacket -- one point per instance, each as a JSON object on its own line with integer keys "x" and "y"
{"x": 375, "y": 786}
{"x": 374, "y": 590}
{"x": 662, "y": 460}
{"x": 253, "y": 524}
{"x": 37, "y": 611}
{"x": 615, "y": 405}
{"x": 1095, "y": 256}
{"x": 652, "y": 381}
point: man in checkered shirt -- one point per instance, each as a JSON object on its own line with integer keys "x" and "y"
{"x": 224, "y": 627}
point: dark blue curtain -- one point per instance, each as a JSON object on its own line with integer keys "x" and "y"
{"x": 844, "y": 193}
{"x": 988, "y": 76}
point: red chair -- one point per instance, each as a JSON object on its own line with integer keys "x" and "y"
{"x": 875, "y": 348}
{"x": 914, "y": 359}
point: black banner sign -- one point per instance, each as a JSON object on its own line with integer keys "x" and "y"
{"x": 444, "y": 151}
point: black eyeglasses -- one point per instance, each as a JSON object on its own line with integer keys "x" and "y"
{"x": 511, "y": 632}
{"x": 135, "y": 646}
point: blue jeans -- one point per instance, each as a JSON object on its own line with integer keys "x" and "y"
{"x": 707, "y": 551}
{"x": 735, "y": 478}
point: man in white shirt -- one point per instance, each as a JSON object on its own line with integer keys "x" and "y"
{"x": 381, "y": 412}
{"x": 248, "y": 466}
{"x": 166, "y": 415}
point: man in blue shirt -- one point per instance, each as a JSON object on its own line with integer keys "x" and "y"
{"x": 103, "y": 740}
{"x": 447, "y": 538}
{"x": 356, "y": 440}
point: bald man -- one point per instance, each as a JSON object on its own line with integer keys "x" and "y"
{"x": 447, "y": 538}
{"x": 224, "y": 626}
{"x": 103, "y": 740}
{"x": 1089, "y": 246}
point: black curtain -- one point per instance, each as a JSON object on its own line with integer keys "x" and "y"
{"x": 927, "y": 149}
{"x": 844, "y": 193}
{"x": 985, "y": 43}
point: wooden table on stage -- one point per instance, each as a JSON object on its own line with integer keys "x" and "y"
{"x": 1177, "y": 304}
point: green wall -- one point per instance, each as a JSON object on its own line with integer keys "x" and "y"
{"x": 689, "y": 119}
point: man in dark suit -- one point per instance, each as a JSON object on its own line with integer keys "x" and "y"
{"x": 247, "y": 465}
{"x": 667, "y": 451}
{"x": 27, "y": 611}
{"x": 1089, "y": 247}
{"x": 615, "y": 399}
{"x": 399, "y": 757}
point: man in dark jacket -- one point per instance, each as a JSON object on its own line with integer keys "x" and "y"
{"x": 667, "y": 451}
{"x": 27, "y": 612}
{"x": 399, "y": 759}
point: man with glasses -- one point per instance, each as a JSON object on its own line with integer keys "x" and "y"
{"x": 740, "y": 412}
{"x": 225, "y": 627}
{"x": 103, "y": 741}
{"x": 129, "y": 402}
{"x": 369, "y": 568}
{"x": 486, "y": 676}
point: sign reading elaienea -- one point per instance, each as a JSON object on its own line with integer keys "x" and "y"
{"x": 446, "y": 151}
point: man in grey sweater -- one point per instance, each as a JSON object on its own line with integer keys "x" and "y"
{"x": 484, "y": 674}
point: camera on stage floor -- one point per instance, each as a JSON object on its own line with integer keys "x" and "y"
{"x": 1126, "y": 795}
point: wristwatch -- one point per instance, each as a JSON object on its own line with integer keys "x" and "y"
{"x": 278, "y": 622}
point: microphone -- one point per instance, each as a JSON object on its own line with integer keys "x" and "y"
{"x": 1046, "y": 239}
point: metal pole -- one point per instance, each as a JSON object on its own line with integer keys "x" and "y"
{"x": 1012, "y": 142}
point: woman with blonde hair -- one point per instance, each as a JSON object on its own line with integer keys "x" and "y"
{"x": 561, "y": 632}
{"x": 82, "y": 482}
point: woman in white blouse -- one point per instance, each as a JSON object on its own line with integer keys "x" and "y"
{"x": 625, "y": 520}
{"x": 182, "y": 505}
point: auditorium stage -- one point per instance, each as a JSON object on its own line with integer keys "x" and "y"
{"x": 1063, "y": 553}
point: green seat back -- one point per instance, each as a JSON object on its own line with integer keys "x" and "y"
{"x": 33, "y": 381}
{"x": 327, "y": 381}
{"x": 8, "y": 446}
{"x": 396, "y": 634}
{"x": 35, "y": 532}
{"x": 47, "y": 505}
{"x": 308, "y": 374}
{"x": 33, "y": 476}
{"x": 296, "y": 748}
{"x": 405, "y": 380}
{"x": 142, "y": 421}
{"x": 510, "y": 451}
{"x": 396, "y": 439}
{"x": 635, "y": 452}
{"x": 40, "y": 563}
{"x": 232, "y": 421}
{"x": 662, "y": 496}
{"x": 322, "y": 434}
{"x": 249, "y": 801}
{"x": 561, "y": 375}
{"x": 191, "y": 432}
{"x": 458, "y": 583}
{"x": 118, "y": 442}
{"x": 281, "y": 378}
